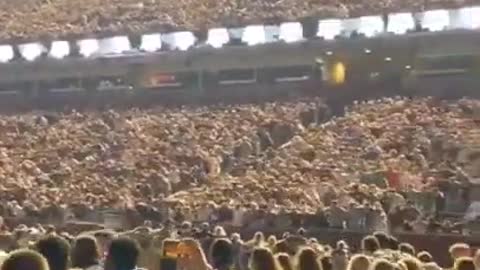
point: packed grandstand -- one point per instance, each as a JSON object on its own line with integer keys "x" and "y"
{"x": 390, "y": 165}
{"x": 268, "y": 166}
{"x": 61, "y": 28}
{"x": 53, "y": 18}
{"x": 186, "y": 187}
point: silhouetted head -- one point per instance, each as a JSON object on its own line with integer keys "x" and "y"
{"x": 262, "y": 259}
{"x": 25, "y": 259}
{"x": 56, "y": 250}
{"x": 359, "y": 262}
{"x": 464, "y": 263}
{"x": 306, "y": 259}
{"x": 85, "y": 252}
{"x": 122, "y": 254}
{"x": 221, "y": 254}
{"x": 284, "y": 262}
{"x": 370, "y": 244}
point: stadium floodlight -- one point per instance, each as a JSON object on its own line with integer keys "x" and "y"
{"x": 31, "y": 51}
{"x": 6, "y": 53}
{"x": 59, "y": 49}
{"x": 235, "y": 33}
{"x": 371, "y": 25}
{"x": 350, "y": 26}
{"x": 87, "y": 47}
{"x": 183, "y": 40}
{"x": 113, "y": 45}
{"x": 329, "y": 29}
{"x": 151, "y": 42}
{"x": 468, "y": 18}
{"x": 400, "y": 23}
{"x": 291, "y": 32}
{"x": 217, "y": 37}
{"x": 254, "y": 35}
{"x": 272, "y": 33}
{"x": 436, "y": 20}
{"x": 179, "y": 40}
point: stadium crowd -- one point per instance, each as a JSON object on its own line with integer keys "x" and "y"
{"x": 50, "y": 19}
{"x": 144, "y": 248}
{"x": 387, "y": 164}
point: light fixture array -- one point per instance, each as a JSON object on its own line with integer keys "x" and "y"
{"x": 251, "y": 35}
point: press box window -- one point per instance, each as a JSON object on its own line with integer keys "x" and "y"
{"x": 172, "y": 80}
{"x": 448, "y": 62}
{"x": 237, "y": 76}
{"x": 290, "y": 74}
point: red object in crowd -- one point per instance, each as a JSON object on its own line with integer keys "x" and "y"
{"x": 393, "y": 178}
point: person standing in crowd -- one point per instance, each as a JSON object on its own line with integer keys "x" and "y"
{"x": 263, "y": 259}
{"x": 424, "y": 256}
{"x": 195, "y": 259}
{"x": 306, "y": 259}
{"x": 238, "y": 216}
{"x": 25, "y": 259}
{"x": 340, "y": 256}
{"x": 407, "y": 249}
{"x": 356, "y": 217}
{"x": 464, "y": 263}
{"x": 237, "y": 247}
{"x": 359, "y": 262}
{"x": 86, "y": 254}
{"x": 336, "y": 216}
{"x": 56, "y": 250}
{"x": 122, "y": 254}
{"x": 283, "y": 261}
{"x": 221, "y": 254}
{"x": 104, "y": 238}
{"x": 370, "y": 245}
{"x": 383, "y": 264}
{"x": 459, "y": 250}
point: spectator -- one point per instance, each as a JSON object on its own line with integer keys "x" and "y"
{"x": 359, "y": 262}
{"x": 192, "y": 256}
{"x": 476, "y": 259}
{"x": 284, "y": 262}
{"x": 431, "y": 266}
{"x": 382, "y": 239}
{"x": 56, "y": 250}
{"x": 326, "y": 263}
{"x": 104, "y": 238}
{"x": 370, "y": 245}
{"x": 122, "y": 254}
{"x": 407, "y": 248}
{"x": 306, "y": 259}
{"x": 86, "y": 254}
{"x": 411, "y": 263}
{"x": 393, "y": 243}
{"x": 340, "y": 256}
{"x": 262, "y": 259}
{"x": 464, "y": 263}
{"x": 382, "y": 264}
{"x": 425, "y": 257}
{"x": 25, "y": 259}
{"x": 221, "y": 254}
{"x": 459, "y": 250}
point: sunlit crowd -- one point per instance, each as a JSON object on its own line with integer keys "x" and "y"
{"x": 50, "y": 20}
{"x": 205, "y": 249}
{"x": 392, "y": 164}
